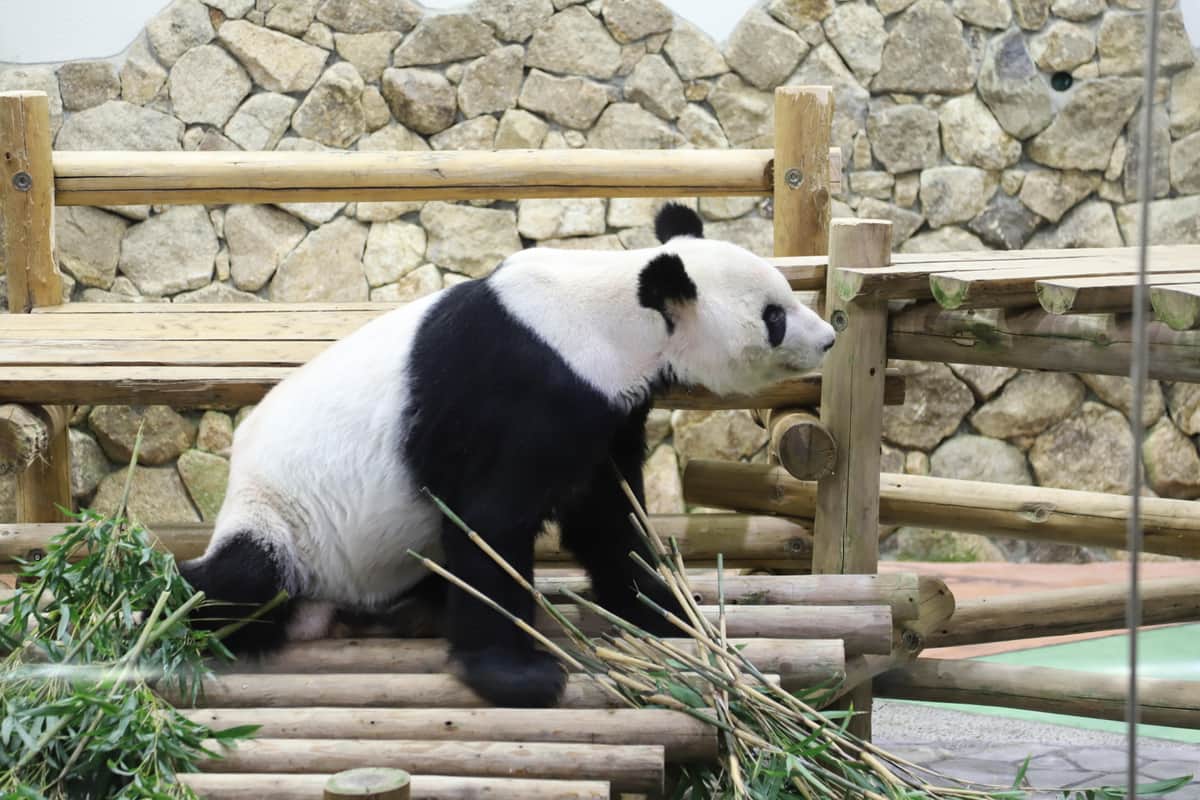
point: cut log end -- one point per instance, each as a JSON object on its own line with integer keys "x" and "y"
{"x": 804, "y": 446}
{"x": 24, "y": 438}
{"x": 369, "y": 783}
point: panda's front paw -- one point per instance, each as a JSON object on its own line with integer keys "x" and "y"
{"x": 512, "y": 678}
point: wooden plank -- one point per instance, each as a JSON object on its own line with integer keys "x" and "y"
{"x": 116, "y": 178}
{"x": 1177, "y": 305}
{"x": 1033, "y": 339}
{"x": 629, "y": 768}
{"x": 846, "y": 524}
{"x": 1058, "y": 691}
{"x": 1057, "y": 612}
{"x": 277, "y": 786}
{"x": 223, "y": 326}
{"x": 684, "y": 738}
{"x": 1103, "y": 293}
{"x": 908, "y": 278}
{"x": 1172, "y": 527}
{"x": 803, "y": 120}
{"x": 742, "y": 539}
{"x": 1013, "y": 287}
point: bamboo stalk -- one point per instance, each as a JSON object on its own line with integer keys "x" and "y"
{"x": 279, "y": 786}
{"x": 1061, "y": 611}
{"x": 115, "y": 178}
{"x": 1029, "y": 512}
{"x": 1059, "y": 691}
{"x": 798, "y": 662}
{"x": 744, "y": 540}
{"x": 684, "y": 738}
{"x": 628, "y": 768}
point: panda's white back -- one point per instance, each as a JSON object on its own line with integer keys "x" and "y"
{"x": 317, "y": 467}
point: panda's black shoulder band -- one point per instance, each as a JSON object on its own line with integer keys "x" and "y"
{"x": 662, "y": 281}
{"x": 677, "y": 220}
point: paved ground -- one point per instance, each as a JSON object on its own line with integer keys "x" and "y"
{"x": 991, "y": 749}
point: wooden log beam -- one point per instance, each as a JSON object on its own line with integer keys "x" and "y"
{"x": 1058, "y": 612}
{"x": 863, "y": 629}
{"x": 936, "y": 607}
{"x": 350, "y": 690}
{"x": 802, "y": 391}
{"x": 1095, "y": 344}
{"x": 1059, "y": 691}
{"x": 117, "y": 178}
{"x": 1177, "y": 305}
{"x": 628, "y": 768}
{"x": 900, "y": 591}
{"x": 278, "y": 786}
{"x": 1172, "y": 527}
{"x": 683, "y": 737}
{"x": 225, "y": 384}
{"x": 743, "y": 540}
{"x": 801, "y": 443}
{"x": 798, "y": 662}
{"x": 1101, "y": 294}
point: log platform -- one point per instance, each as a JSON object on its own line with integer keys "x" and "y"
{"x": 337, "y": 704}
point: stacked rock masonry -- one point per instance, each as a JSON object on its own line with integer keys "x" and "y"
{"x": 1020, "y": 133}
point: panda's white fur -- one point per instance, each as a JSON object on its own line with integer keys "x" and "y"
{"x": 319, "y": 481}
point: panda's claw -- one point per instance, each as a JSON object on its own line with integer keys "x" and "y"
{"x": 508, "y": 678}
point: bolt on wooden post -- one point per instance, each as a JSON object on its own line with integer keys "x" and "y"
{"x": 27, "y": 223}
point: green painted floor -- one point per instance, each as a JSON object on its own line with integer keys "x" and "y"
{"x": 1172, "y": 652}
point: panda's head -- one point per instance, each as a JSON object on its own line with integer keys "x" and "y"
{"x": 734, "y": 323}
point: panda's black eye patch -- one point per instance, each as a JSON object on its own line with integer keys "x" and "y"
{"x": 776, "y": 320}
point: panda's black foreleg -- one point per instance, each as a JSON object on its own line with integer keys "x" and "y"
{"x": 493, "y": 656}
{"x": 596, "y": 528}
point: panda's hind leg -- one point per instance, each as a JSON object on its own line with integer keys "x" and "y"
{"x": 239, "y": 575}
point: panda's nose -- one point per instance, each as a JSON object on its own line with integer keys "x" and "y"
{"x": 828, "y": 344}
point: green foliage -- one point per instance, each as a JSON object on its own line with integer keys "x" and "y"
{"x": 94, "y": 628}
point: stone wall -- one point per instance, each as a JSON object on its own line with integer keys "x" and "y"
{"x": 970, "y": 124}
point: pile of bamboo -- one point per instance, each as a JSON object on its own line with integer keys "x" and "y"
{"x": 334, "y": 705}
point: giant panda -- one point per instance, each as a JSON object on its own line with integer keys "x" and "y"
{"x": 511, "y": 398}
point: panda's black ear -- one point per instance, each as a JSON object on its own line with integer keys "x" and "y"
{"x": 677, "y": 220}
{"x": 664, "y": 284}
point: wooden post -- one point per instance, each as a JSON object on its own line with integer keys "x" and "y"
{"x": 846, "y": 524}
{"x": 27, "y": 211}
{"x": 369, "y": 783}
{"x": 803, "y": 120}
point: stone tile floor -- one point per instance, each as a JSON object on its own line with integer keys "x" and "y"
{"x": 990, "y": 749}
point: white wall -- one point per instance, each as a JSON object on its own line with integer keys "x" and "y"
{"x": 35, "y": 31}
